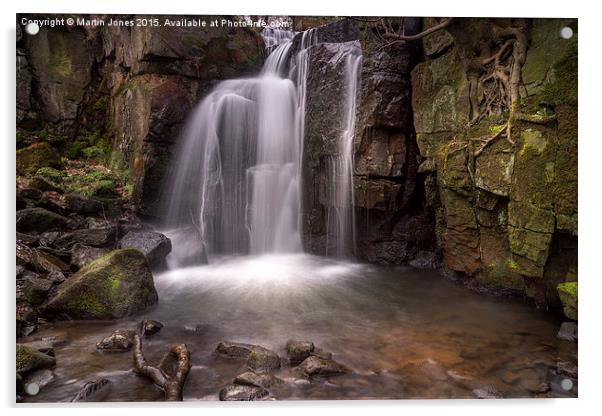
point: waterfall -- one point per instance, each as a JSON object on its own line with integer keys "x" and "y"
{"x": 340, "y": 214}
{"x": 237, "y": 178}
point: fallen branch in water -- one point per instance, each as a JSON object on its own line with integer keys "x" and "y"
{"x": 172, "y": 384}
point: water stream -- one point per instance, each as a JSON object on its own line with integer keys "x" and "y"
{"x": 405, "y": 333}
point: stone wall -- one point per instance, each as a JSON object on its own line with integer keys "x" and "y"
{"x": 508, "y": 217}
{"x": 130, "y": 88}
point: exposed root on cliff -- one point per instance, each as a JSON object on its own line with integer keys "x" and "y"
{"x": 171, "y": 384}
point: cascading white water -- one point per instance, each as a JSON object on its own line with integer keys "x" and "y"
{"x": 340, "y": 215}
{"x": 238, "y": 172}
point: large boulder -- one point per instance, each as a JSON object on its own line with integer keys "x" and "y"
{"x": 116, "y": 285}
{"x": 155, "y": 246}
{"x": 36, "y": 156}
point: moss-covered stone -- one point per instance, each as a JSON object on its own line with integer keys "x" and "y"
{"x": 39, "y": 220}
{"x": 568, "y": 292}
{"x": 494, "y": 168}
{"x": 36, "y": 156}
{"x": 29, "y": 359}
{"x": 116, "y": 285}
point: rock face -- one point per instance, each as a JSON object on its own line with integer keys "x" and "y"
{"x": 116, "y": 285}
{"x": 568, "y": 293}
{"x": 86, "y": 81}
{"x": 507, "y": 218}
{"x": 385, "y": 174}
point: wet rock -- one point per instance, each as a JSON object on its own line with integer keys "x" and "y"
{"x": 320, "y": 353}
{"x": 29, "y": 359}
{"x": 235, "y": 349}
{"x": 262, "y": 360}
{"x": 95, "y": 237}
{"x": 487, "y": 392}
{"x": 38, "y": 220}
{"x": 150, "y": 327}
{"x": 116, "y": 285}
{"x": 566, "y": 368}
{"x": 568, "y": 331}
{"x": 36, "y": 289}
{"x": 297, "y": 351}
{"x": 36, "y": 381}
{"x": 82, "y": 204}
{"x": 425, "y": 260}
{"x": 93, "y": 391}
{"x": 36, "y": 156}
{"x": 237, "y": 392}
{"x": 155, "y": 246}
{"x": 81, "y": 255}
{"x": 320, "y": 367}
{"x": 250, "y": 378}
{"x": 118, "y": 341}
{"x": 45, "y": 347}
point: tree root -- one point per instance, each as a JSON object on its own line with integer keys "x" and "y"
{"x": 171, "y": 384}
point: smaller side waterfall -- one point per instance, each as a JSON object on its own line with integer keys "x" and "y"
{"x": 340, "y": 215}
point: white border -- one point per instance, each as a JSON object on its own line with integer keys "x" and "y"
{"x": 590, "y": 158}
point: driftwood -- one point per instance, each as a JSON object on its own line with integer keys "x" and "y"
{"x": 172, "y": 384}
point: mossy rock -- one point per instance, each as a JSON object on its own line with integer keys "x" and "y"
{"x": 114, "y": 286}
{"x": 36, "y": 156}
{"x": 29, "y": 359}
{"x": 568, "y": 292}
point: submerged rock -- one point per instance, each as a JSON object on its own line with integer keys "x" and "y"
{"x": 29, "y": 359}
{"x": 150, "y": 327}
{"x": 235, "y": 349}
{"x": 93, "y": 391}
{"x": 297, "y": 351}
{"x": 237, "y": 392}
{"x": 259, "y": 359}
{"x": 568, "y": 331}
{"x": 116, "y": 285}
{"x": 320, "y": 367}
{"x": 488, "y": 392}
{"x": 118, "y": 341}
{"x": 155, "y": 246}
{"x": 262, "y": 360}
{"x": 566, "y": 368}
{"x": 250, "y": 378}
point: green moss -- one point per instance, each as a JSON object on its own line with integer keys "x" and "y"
{"x": 37, "y": 156}
{"x": 86, "y": 304}
{"x": 60, "y": 62}
{"x": 568, "y": 293}
{"x": 51, "y": 174}
{"x": 563, "y": 88}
